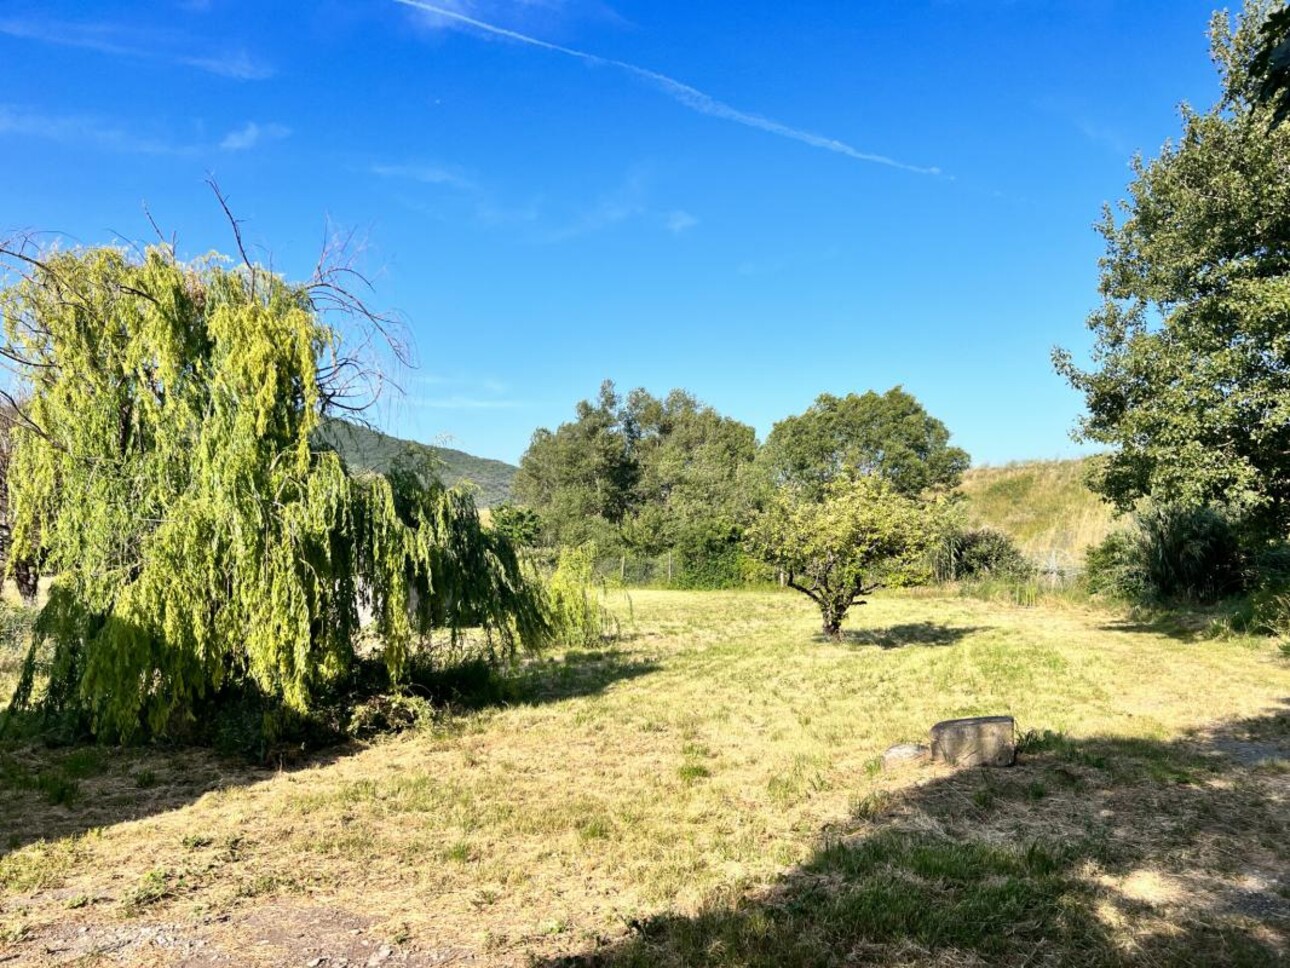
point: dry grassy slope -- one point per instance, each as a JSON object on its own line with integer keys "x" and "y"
{"x": 1044, "y": 505}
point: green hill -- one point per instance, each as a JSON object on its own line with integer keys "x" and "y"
{"x": 1044, "y": 505}
{"x": 365, "y": 448}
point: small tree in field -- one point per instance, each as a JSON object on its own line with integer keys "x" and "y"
{"x": 858, "y": 536}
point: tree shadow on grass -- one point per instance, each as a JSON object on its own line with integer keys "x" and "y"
{"x": 50, "y": 791}
{"x": 909, "y": 634}
{"x": 1182, "y": 624}
{"x": 1105, "y": 851}
{"x": 578, "y": 673}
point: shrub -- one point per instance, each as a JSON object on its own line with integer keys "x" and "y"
{"x": 978, "y": 553}
{"x": 709, "y": 558}
{"x": 1170, "y": 553}
{"x": 518, "y": 523}
{"x": 1115, "y": 567}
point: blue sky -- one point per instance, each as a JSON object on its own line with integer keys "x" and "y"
{"x": 758, "y": 202}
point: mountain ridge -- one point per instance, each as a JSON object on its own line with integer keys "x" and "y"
{"x": 366, "y": 448}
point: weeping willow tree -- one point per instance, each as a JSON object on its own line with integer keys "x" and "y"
{"x": 163, "y": 469}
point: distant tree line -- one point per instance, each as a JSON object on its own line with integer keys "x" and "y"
{"x": 644, "y": 476}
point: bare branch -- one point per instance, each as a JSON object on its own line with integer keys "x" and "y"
{"x": 26, "y": 420}
{"x": 808, "y": 592}
{"x": 172, "y": 244}
{"x": 236, "y": 226}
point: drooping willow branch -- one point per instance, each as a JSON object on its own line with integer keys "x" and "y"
{"x": 164, "y": 467}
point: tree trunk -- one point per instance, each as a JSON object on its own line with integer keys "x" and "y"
{"x": 27, "y": 577}
{"x": 832, "y": 621}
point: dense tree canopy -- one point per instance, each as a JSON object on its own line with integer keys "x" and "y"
{"x": 650, "y": 474}
{"x": 1191, "y": 378}
{"x": 582, "y": 475}
{"x": 888, "y": 435}
{"x": 162, "y": 467}
{"x": 1271, "y": 65}
{"x": 843, "y": 542}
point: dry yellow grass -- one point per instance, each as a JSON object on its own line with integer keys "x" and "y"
{"x": 1044, "y": 505}
{"x": 682, "y": 776}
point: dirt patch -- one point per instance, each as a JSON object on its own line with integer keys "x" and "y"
{"x": 275, "y": 934}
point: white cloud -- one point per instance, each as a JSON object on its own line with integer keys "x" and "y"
{"x": 251, "y": 134}
{"x": 530, "y": 13}
{"x": 605, "y": 214}
{"x": 137, "y": 44}
{"x": 109, "y": 135}
{"x": 629, "y": 202}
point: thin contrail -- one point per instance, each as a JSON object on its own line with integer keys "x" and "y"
{"x": 691, "y": 97}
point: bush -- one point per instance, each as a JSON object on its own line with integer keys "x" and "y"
{"x": 979, "y": 553}
{"x": 574, "y": 610}
{"x": 1170, "y": 553}
{"x": 709, "y": 558}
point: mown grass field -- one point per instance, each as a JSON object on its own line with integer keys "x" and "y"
{"x": 706, "y": 791}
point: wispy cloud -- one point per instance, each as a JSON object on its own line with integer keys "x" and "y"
{"x": 604, "y": 214}
{"x": 1105, "y": 136}
{"x": 81, "y": 130}
{"x": 627, "y": 203}
{"x": 529, "y": 12}
{"x": 85, "y": 131}
{"x": 138, "y": 44}
{"x": 426, "y": 174}
{"x": 486, "y": 210}
{"x": 690, "y": 97}
{"x": 252, "y": 134}
{"x": 438, "y": 392}
{"x": 679, "y": 221}
{"x": 463, "y": 403}
{"x": 624, "y": 203}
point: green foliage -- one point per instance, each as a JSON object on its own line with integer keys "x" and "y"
{"x": 860, "y": 535}
{"x": 1116, "y": 567}
{"x": 976, "y": 553}
{"x": 646, "y": 476}
{"x": 520, "y": 525}
{"x": 1170, "y": 553}
{"x": 577, "y": 617}
{"x": 1191, "y": 383}
{"x": 1270, "y": 68}
{"x": 710, "y": 560}
{"x": 165, "y": 470}
{"x": 890, "y": 436}
{"x": 582, "y": 473}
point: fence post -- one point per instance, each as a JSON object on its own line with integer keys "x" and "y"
{"x": 669, "y": 568}
{"x": 622, "y": 570}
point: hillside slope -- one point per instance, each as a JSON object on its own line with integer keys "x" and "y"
{"x": 363, "y": 447}
{"x": 1044, "y": 505}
